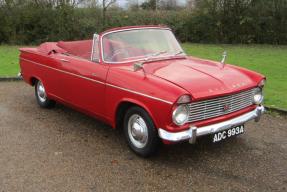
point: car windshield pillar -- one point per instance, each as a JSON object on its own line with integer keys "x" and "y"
{"x": 95, "y": 55}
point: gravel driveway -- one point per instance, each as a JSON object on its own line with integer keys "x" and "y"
{"x": 63, "y": 150}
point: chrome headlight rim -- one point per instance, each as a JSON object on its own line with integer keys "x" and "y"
{"x": 258, "y": 96}
{"x": 176, "y": 113}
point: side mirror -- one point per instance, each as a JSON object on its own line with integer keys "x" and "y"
{"x": 224, "y": 55}
{"x": 138, "y": 66}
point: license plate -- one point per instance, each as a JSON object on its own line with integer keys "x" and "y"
{"x": 222, "y": 135}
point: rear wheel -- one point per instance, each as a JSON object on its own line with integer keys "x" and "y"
{"x": 140, "y": 132}
{"x": 41, "y": 96}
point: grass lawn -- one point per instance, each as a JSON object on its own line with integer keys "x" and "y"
{"x": 269, "y": 60}
{"x": 9, "y": 65}
{"x": 266, "y": 59}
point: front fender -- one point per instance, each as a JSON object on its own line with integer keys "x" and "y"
{"x": 154, "y": 94}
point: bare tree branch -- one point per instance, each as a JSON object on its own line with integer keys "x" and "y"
{"x": 110, "y": 3}
{"x": 106, "y": 5}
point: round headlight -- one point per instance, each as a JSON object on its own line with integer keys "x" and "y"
{"x": 180, "y": 114}
{"x": 258, "y": 97}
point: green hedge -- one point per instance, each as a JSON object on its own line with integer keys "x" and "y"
{"x": 238, "y": 21}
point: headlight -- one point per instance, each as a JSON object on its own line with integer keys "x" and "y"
{"x": 258, "y": 97}
{"x": 180, "y": 114}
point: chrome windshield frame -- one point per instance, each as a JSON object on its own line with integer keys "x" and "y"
{"x": 134, "y": 60}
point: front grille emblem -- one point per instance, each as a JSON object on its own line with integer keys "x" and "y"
{"x": 225, "y": 108}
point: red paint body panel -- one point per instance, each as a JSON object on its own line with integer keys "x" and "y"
{"x": 98, "y": 89}
{"x": 202, "y": 78}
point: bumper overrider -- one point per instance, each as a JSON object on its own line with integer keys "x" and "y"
{"x": 193, "y": 132}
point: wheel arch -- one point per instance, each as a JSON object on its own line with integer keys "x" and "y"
{"x": 33, "y": 80}
{"x": 122, "y": 108}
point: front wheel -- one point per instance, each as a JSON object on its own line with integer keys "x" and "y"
{"x": 41, "y": 96}
{"x": 140, "y": 132}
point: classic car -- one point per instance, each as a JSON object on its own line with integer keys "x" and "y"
{"x": 138, "y": 78}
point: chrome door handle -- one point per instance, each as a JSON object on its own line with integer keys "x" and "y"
{"x": 64, "y": 60}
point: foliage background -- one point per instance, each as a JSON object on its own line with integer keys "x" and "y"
{"x": 210, "y": 21}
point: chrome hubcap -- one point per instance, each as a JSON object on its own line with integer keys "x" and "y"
{"x": 41, "y": 92}
{"x": 137, "y": 131}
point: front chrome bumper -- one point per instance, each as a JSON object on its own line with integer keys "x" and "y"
{"x": 193, "y": 132}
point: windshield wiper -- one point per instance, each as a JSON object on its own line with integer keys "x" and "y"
{"x": 178, "y": 53}
{"x": 139, "y": 65}
{"x": 149, "y": 56}
{"x": 159, "y": 53}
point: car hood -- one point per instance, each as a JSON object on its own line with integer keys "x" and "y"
{"x": 202, "y": 78}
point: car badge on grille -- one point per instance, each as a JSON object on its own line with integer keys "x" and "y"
{"x": 225, "y": 108}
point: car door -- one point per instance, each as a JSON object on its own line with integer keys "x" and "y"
{"x": 83, "y": 83}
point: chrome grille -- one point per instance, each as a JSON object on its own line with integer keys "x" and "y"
{"x": 216, "y": 107}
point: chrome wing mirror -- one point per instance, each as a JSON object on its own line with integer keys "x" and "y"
{"x": 224, "y": 55}
{"x": 138, "y": 66}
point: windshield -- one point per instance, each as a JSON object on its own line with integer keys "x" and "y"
{"x": 137, "y": 44}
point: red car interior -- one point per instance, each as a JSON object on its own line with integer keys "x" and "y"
{"x": 83, "y": 49}
{"x": 77, "y": 48}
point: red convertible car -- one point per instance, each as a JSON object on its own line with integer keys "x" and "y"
{"x": 139, "y": 79}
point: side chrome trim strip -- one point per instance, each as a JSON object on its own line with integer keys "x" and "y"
{"x": 138, "y": 93}
{"x": 73, "y": 74}
{"x": 100, "y": 82}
